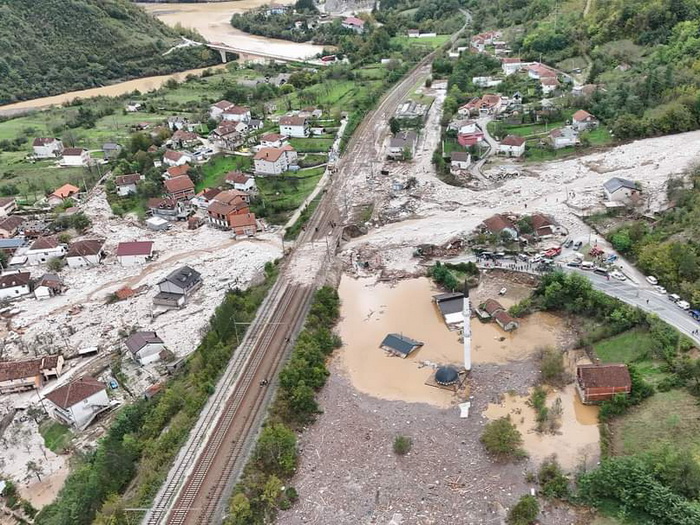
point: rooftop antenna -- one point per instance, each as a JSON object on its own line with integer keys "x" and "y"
{"x": 466, "y": 330}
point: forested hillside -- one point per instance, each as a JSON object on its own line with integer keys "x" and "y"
{"x": 52, "y": 46}
{"x": 644, "y": 54}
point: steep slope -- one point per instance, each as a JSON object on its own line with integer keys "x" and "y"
{"x": 52, "y": 46}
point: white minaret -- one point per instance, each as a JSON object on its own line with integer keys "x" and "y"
{"x": 467, "y": 331}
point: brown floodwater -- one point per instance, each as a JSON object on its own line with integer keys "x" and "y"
{"x": 370, "y": 311}
{"x": 577, "y": 441}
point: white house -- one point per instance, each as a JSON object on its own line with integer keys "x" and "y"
{"x": 14, "y": 285}
{"x": 583, "y": 120}
{"x": 273, "y": 140}
{"x": 135, "y": 252}
{"x": 47, "y": 148}
{"x": 240, "y": 181}
{"x": 294, "y": 126}
{"x": 563, "y": 137}
{"x": 620, "y": 190}
{"x": 178, "y": 286}
{"x": 7, "y": 206}
{"x": 463, "y": 127}
{"x": 48, "y": 286}
{"x": 549, "y": 85}
{"x": 85, "y": 253}
{"x": 145, "y": 347}
{"x": 126, "y": 184}
{"x": 485, "y": 82}
{"x": 43, "y": 249}
{"x": 538, "y": 71}
{"x": 459, "y": 161}
{"x": 176, "y": 158}
{"x": 354, "y": 23}
{"x": 78, "y": 402}
{"x": 274, "y": 161}
{"x": 512, "y": 146}
{"x": 217, "y": 109}
{"x": 236, "y": 114}
{"x": 511, "y": 65}
{"x": 75, "y": 157}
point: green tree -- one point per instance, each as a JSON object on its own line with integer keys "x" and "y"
{"x": 553, "y": 482}
{"x": 239, "y": 510}
{"x": 394, "y": 125}
{"x": 402, "y": 445}
{"x": 502, "y": 439}
{"x": 276, "y": 450}
{"x": 524, "y": 512}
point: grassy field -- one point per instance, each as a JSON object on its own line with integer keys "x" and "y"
{"x": 56, "y": 436}
{"x": 215, "y": 170}
{"x": 311, "y": 144}
{"x": 433, "y": 41}
{"x": 450, "y": 145}
{"x": 628, "y": 347}
{"x": 665, "y": 418}
{"x": 37, "y": 178}
{"x": 280, "y": 195}
{"x": 529, "y": 130}
{"x": 598, "y": 137}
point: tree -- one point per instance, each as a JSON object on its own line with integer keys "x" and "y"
{"x": 239, "y": 510}
{"x": 276, "y": 450}
{"x": 402, "y": 445}
{"x": 55, "y": 264}
{"x": 34, "y": 469}
{"x": 394, "y": 125}
{"x": 502, "y": 439}
{"x": 524, "y": 512}
{"x": 553, "y": 482}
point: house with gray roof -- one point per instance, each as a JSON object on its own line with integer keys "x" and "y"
{"x": 177, "y": 287}
{"x": 144, "y": 347}
{"x": 401, "y": 143}
{"x": 399, "y": 344}
{"x": 621, "y": 190}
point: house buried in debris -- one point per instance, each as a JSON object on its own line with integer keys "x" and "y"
{"x": 78, "y": 402}
{"x": 177, "y": 287}
{"x": 16, "y": 376}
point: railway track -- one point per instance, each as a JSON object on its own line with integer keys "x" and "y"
{"x": 198, "y": 483}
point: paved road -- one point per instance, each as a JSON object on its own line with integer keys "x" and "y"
{"x": 639, "y": 294}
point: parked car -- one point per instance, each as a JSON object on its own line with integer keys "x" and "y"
{"x": 600, "y": 271}
{"x": 685, "y": 305}
{"x": 574, "y": 264}
{"x": 660, "y": 289}
{"x": 618, "y": 275}
{"x": 587, "y": 265}
{"x": 695, "y": 314}
{"x": 577, "y": 245}
{"x": 502, "y": 291}
{"x": 674, "y": 297}
{"x": 652, "y": 280}
{"x": 523, "y": 257}
{"x": 569, "y": 243}
{"x": 611, "y": 258}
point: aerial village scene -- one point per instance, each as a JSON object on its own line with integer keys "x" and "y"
{"x": 489, "y": 312}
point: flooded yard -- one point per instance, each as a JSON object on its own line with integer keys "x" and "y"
{"x": 575, "y": 443}
{"x": 370, "y": 311}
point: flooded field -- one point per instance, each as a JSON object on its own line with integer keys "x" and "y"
{"x": 575, "y": 443}
{"x": 369, "y": 312}
{"x": 212, "y": 21}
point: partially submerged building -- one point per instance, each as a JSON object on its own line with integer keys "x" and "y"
{"x": 400, "y": 345}
{"x": 597, "y": 383}
{"x": 450, "y": 306}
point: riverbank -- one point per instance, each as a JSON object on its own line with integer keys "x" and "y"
{"x": 143, "y": 85}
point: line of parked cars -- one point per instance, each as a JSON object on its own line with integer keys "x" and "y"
{"x": 673, "y": 297}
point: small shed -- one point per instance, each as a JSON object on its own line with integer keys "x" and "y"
{"x": 597, "y": 383}
{"x": 399, "y": 345}
{"x": 487, "y": 309}
{"x": 505, "y": 321}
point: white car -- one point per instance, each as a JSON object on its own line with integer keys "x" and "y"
{"x": 502, "y": 291}
{"x": 652, "y": 280}
{"x": 619, "y": 276}
{"x": 660, "y": 289}
{"x": 685, "y": 305}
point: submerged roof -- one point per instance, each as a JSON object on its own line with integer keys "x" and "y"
{"x": 400, "y": 343}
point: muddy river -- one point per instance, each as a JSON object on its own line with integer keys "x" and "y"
{"x": 575, "y": 443}
{"x": 212, "y": 22}
{"x": 371, "y": 311}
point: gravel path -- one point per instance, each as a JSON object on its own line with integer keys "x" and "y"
{"x": 349, "y": 474}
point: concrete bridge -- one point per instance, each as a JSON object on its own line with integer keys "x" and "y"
{"x": 247, "y": 55}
